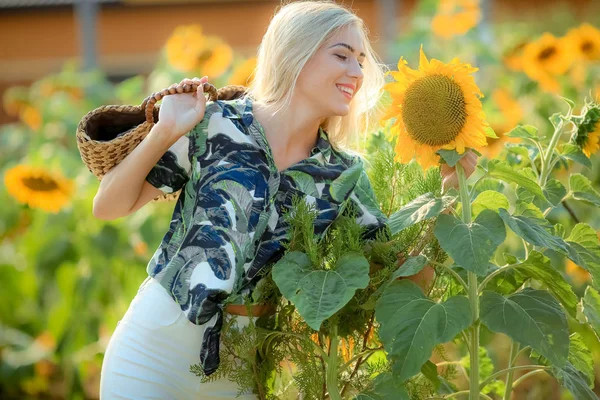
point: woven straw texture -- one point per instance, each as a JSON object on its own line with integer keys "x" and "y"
{"x": 107, "y": 134}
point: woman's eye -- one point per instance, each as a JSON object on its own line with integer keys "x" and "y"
{"x": 341, "y": 57}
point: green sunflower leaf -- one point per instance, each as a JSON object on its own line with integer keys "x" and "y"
{"x": 583, "y": 190}
{"x": 429, "y": 371}
{"x": 574, "y": 381}
{"x": 584, "y": 250}
{"x": 489, "y": 132}
{"x": 539, "y": 267}
{"x": 384, "y": 387}
{"x": 412, "y": 266}
{"x": 581, "y": 358}
{"x": 534, "y": 231}
{"x": 471, "y": 245}
{"x": 591, "y": 308}
{"x": 573, "y": 152}
{"x": 318, "y": 294}
{"x": 451, "y": 156}
{"x": 489, "y": 200}
{"x": 423, "y": 207}
{"x": 409, "y": 346}
{"x": 554, "y": 191}
{"x": 501, "y": 170}
{"x": 524, "y": 132}
{"x": 555, "y": 119}
{"x": 542, "y": 323}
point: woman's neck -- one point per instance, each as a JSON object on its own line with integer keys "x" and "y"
{"x": 291, "y": 131}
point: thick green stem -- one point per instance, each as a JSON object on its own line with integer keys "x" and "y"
{"x": 472, "y": 291}
{"x": 514, "y": 350}
{"x": 331, "y": 375}
{"x": 547, "y": 157}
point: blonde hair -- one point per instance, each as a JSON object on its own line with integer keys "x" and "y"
{"x": 294, "y": 35}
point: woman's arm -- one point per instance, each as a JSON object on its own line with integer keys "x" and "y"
{"x": 161, "y": 163}
{"x": 121, "y": 188}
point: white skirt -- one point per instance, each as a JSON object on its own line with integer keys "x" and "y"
{"x": 151, "y": 350}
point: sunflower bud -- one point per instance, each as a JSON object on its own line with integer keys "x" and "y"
{"x": 588, "y": 128}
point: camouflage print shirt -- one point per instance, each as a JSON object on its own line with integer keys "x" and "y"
{"x": 228, "y": 223}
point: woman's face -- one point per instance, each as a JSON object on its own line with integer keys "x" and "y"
{"x": 331, "y": 79}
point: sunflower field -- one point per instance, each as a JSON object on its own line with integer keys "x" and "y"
{"x": 514, "y": 309}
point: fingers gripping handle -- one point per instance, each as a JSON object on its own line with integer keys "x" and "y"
{"x": 150, "y": 101}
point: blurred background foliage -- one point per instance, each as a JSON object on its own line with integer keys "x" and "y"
{"x": 67, "y": 278}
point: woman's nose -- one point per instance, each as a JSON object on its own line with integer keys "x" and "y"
{"x": 355, "y": 71}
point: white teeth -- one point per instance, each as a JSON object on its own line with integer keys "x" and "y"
{"x": 346, "y": 89}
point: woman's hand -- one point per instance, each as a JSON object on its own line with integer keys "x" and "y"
{"x": 449, "y": 177}
{"x": 180, "y": 112}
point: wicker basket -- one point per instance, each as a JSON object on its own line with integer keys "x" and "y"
{"x": 107, "y": 134}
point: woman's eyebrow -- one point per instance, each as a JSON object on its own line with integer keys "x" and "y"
{"x": 348, "y": 47}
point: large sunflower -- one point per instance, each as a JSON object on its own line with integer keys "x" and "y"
{"x": 38, "y": 188}
{"x": 546, "y": 58}
{"x": 584, "y": 42}
{"x": 435, "y": 107}
{"x": 455, "y": 17}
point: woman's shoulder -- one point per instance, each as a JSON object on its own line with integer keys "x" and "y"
{"x": 236, "y": 108}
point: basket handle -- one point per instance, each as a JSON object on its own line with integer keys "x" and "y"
{"x": 150, "y": 101}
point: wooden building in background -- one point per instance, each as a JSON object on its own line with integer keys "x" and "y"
{"x": 124, "y": 37}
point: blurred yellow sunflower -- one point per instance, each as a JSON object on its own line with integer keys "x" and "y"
{"x": 513, "y": 58}
{"x": 584, "y": 42}
{"x": 31, "y": 117}
{"x": 15, "y": 98}
{"x": 577, "y": 274}
{"x": 546, "y": 58}
{"x": 511, "y": 114}
{"x": 243, "y": 73}
{"x": 435, "y": 107}
{"x": 140, "y": 247}
{"x": 455, "y": 17}
{"x": 216, "y": 57}
{"x": 185, "y": 46}
{"x": 38, "y": 188}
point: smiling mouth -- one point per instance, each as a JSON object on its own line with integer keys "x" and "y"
{"x": 346, "y": 91}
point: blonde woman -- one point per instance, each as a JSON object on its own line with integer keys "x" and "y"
{"x": 240, "y": 163}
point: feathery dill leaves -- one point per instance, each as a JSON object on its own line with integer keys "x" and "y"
{"x": 301, "y": 218}
{"x": 396, "y": 184}
{"x": 237, "y": 354}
